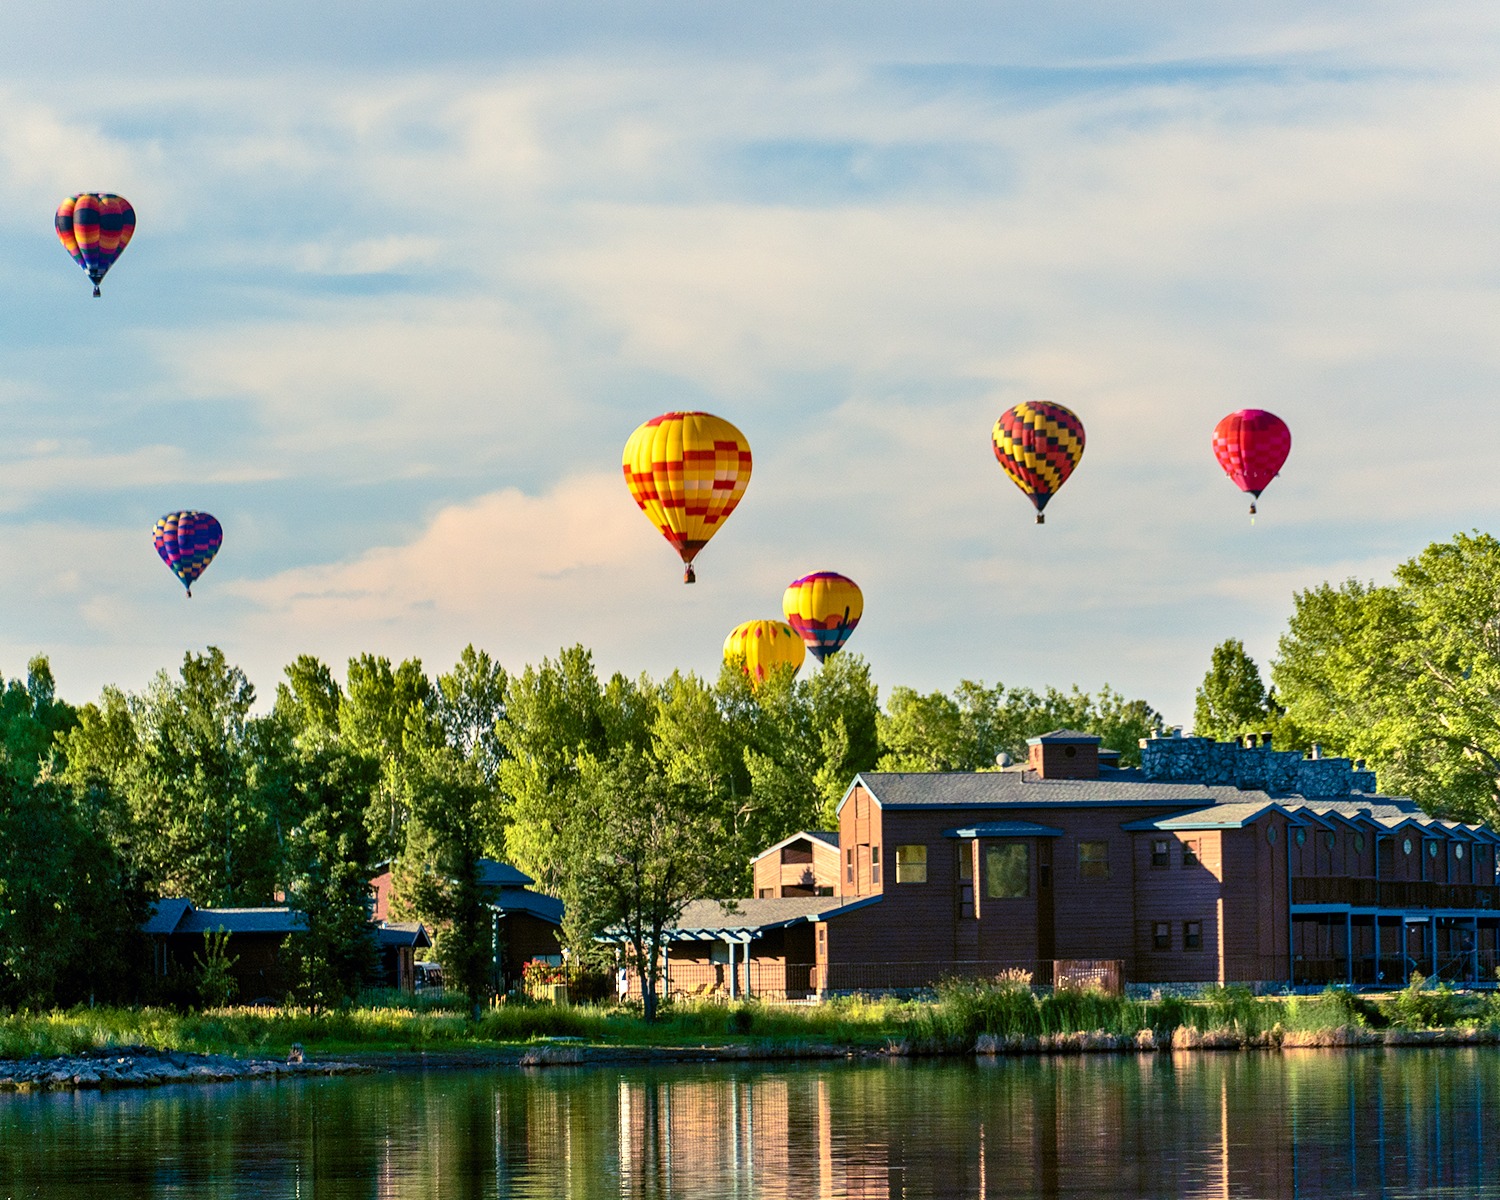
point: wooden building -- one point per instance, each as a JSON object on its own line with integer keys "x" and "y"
{"x": 1212, "y": 862}
{"x": 805, "y": 864}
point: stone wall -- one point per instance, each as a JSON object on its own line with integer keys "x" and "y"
{"x": 1231, "y": 764}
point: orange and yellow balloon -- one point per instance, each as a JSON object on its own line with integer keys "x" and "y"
{"x": 823, "y": 608}
{"x": 687, "y": 471}
{"x": 764, "y": 646}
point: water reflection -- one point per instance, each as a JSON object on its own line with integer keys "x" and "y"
{"x": 1413, "y": 1123}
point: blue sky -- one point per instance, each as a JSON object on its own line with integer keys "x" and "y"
{"x": 406, "y": 278}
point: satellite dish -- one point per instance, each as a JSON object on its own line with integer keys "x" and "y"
{"x": 1002, "y": 759}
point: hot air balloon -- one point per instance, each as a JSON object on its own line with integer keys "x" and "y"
{"x": 95, "y": 228}
{"x": 764, "y": 645}
{"x": 187, "y": 542}
{"x": 1251, "y": 445}
{"x": 823, "y": 608}
{"x": 687, "y": 471}
{"x": 1038, "y": 444}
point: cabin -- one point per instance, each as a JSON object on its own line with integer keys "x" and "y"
{"x": 805, "y": 864}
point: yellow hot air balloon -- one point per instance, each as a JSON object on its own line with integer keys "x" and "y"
{"x": 764, "y": 645}
{"x": 824, "y": 608}
{"x": 687, "y": 471}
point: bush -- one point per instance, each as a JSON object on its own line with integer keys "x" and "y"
{"x": 1419, "y": 1005}
{"x": 1231, "y": 1007}
{"x": 1333, "y": 1008}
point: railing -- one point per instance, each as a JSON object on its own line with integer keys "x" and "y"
{"x": 1371, "y": 893}
{"x": 1462, "y": 968}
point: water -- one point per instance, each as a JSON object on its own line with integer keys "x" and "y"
{"x": 1311, "y": 1123}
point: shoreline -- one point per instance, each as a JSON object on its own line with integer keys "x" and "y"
{"x": 141, "y": 1067}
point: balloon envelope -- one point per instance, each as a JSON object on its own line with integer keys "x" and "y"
{"x": 95, "y": 228}
{"x": 823, "y": 608}
{"x": 1038, "y": 444}
{"x": 764, "y": 646}
{"x": 187, "y": 542}
{"x": 1251, "y": 445}
{"x": 687, "y": 471}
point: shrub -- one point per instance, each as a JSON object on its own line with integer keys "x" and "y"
{"x": 1419, "y": 1005}
{"x": 1230, "y": 1007}
{"x": 1333, "y": 1008}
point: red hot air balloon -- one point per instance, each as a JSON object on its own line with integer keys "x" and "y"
{"x": 1251, "y": 445}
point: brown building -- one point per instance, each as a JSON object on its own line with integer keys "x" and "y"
{"x": 1212, "y": 862}
{"x": 805, "y": 864}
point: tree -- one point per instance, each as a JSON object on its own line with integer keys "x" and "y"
{"x": 70, "y": 905}
{"x": 639, "y": 848}
{"x": 377, "y": 706}
{"x": 1407, "y": 675}
{"x": 198, "y": 778}
{"x": 845, "y": 720}
{"x": 1232, "y": 698}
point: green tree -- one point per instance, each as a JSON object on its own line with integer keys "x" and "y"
{"x": 1232, "y": 698}
{"x": 1407, "y": 675}
{"x": 70, "y": 904}
{"x": 845, "y": 718}
{"x": 639, "y": 848}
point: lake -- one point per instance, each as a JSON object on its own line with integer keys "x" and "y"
{"x": 1304, "y": 1123}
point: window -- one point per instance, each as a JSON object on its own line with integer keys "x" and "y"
{"x": 1359, "y": 843}
{"x": 911, "y": 864}
{"x": 766, "y": 893}
{"x": 849, "y": 864}
{"x": 1192, "y": 853}
{"x": 874, "y": 864}
{"x": 1007, "y": 871}
{"x": 1406, "y": 845}
{"x": 1301, "y": 836}
{"x": 1431, "y": 849}
{"x": 1329, "y": 839}
{"x": 1161, "y": 935}
{"x": 1093, "y": 860}
{"x": 1192, "y": 935}
{"x": 1270, "y": 835}
{"x": 1458, "y": 851}
{"x": 965, "y": 862}
{"x": 1161, "y": 854}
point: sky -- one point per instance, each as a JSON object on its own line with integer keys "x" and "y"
{"x": 406, "y": 277}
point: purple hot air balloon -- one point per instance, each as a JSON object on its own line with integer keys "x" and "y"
{"x": 187, "y": 542}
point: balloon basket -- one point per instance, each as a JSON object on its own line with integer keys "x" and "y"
{"x": 1041, "y": 518}
{"x": 688, "y": 576}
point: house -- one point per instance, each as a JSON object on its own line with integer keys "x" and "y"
{"x": 261, "y": 967}
{"x": 525, "y": 924}
{"x": 805, "y": 864}
{"x": 176, "y": 927}
{"x": 1212, "y": 862}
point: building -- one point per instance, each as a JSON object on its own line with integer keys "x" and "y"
{"x": 176, "y": 929}
{"x": 805, "y": 864}
{"x": 525, "y": 924}
{"x": 1213, "y": 862}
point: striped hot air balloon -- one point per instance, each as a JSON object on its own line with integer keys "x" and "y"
{"x": 764, "y": 646}
{"x": 823, "y": 608}
{"x": 687, "y": 471}
{"x": 187, "y": 542}
{"x": 1251, "y": 445}
{"x": 1038, "y": 444}
{"x": 95, "y": 228}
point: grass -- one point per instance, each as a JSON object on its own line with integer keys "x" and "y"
{"x": 958, "y": 1013}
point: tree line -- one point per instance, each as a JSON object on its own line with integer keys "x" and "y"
{"x": 1405, "y": 675}
{"x": 623, "y": 796}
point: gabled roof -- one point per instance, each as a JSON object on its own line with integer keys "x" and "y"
{"x": 826, "y": 837}
{"x": 1064, "y": 737}
{"x": 1218, "y": 816}
{"x": 165, "y": 915}
{"x": 524, "y": 900}
{"x": 402, "y": 933}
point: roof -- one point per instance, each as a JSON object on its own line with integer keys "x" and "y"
{"x": 1073, "y": 736}
{"x": 744, "y": 920}
{"x": 827, "y": 837}
{"x": 499, "y": 874}
{"x": 1004, "y": 829}
{"x": 402, "y": 933}
{"x": 241, "y": 920}
{"x": 522, "y": 900}
{"x": 165, "y": 915}
{"x": 986, "y": 789}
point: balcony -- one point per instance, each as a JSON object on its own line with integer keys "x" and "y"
{"x": 1370, "y": 893}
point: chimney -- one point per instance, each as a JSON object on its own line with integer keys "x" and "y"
{"x": 1248, "y": 741}
{"x": 1317, "y": 751}
{"x": 1265, "y": 741}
